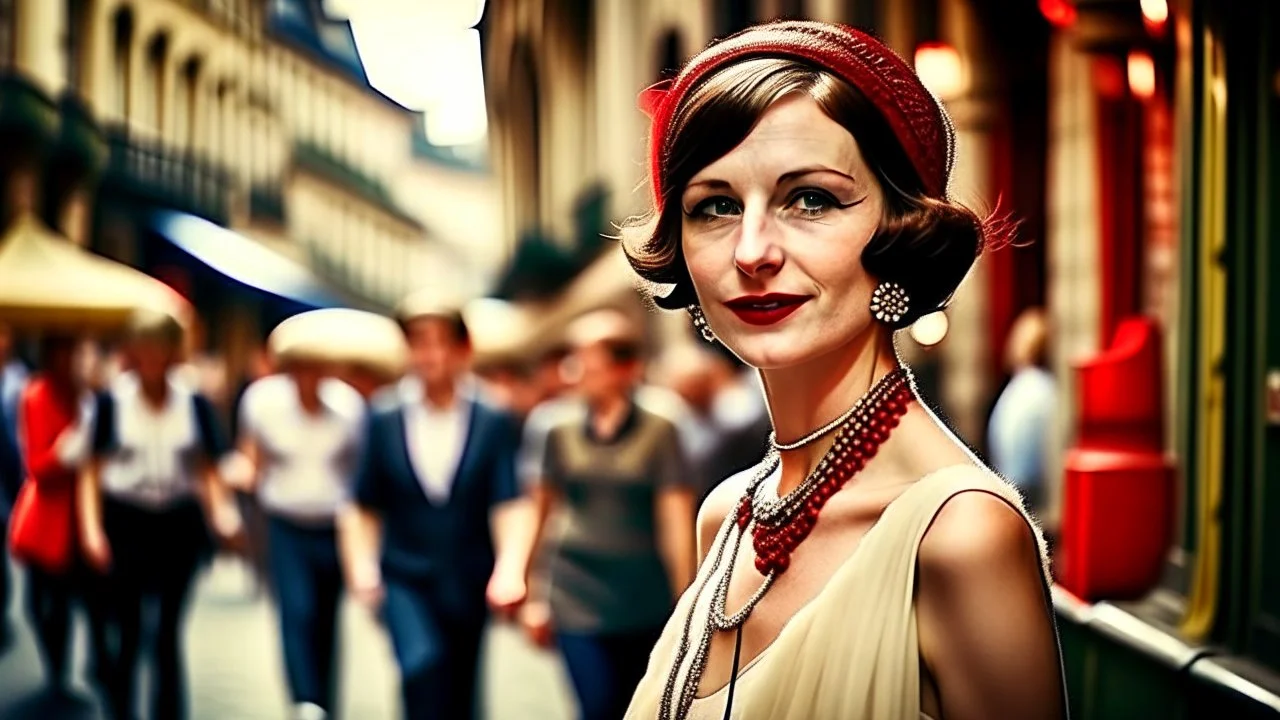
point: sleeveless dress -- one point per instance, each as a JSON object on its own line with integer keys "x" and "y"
{"x": 850, "y": 653}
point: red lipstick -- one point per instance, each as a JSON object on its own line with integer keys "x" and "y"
{"x": 765, "y": 309}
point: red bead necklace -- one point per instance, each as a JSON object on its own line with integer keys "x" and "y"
{"x": 781, "y": 526}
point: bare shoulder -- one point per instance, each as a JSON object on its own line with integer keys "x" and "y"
{"x": 722, "y": 500}
{"x": 978, "y": 531}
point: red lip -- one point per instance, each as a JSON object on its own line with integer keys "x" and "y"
{"x": 765, "y": 309}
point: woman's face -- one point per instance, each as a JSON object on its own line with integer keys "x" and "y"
{"x": 773, "y": 234}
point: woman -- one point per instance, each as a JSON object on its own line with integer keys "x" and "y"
{"x": 800, "y": 176}
{"x": 156, "y": 443}
{"x": 625, "y": 549}
{"x": 52, "y": 443}
{"x": 300, "y": 434}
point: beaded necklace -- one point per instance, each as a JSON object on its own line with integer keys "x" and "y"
{"x": 778, "y": 526}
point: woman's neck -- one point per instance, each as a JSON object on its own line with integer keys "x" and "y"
{"x": 805, "y": 397}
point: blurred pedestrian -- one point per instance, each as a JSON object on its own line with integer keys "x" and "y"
{"x": 1022, "y": 420}
{"x": 437, "y": 534}
{"x": 13, "y": 377}
{"x": 620, "y": 474}
{"x": 156, "y": 443}
{"x": 300, "y": 439}
{"x": 54, "y": 412}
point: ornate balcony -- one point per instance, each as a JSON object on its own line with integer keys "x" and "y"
{"x": 160, "y": 174}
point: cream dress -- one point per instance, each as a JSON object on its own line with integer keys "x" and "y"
{"x": 850, "y": 653}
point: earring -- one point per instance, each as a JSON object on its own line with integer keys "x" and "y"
{"x": 700, "y": 322}
{"x": 889, "y": 303}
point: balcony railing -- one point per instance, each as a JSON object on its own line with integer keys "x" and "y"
{"x": 319, "y": 161}
{"x": 167, "y": 176}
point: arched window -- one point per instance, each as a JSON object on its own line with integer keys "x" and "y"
{"x": 73, "y": 42}
{"x": 154, "y": 88}
{"x": 670, "y": 54}
{"x": 186, "y": 103}
{"x": 121, "y": 63}
{"x": 8, "y": 33}
{"x": 525, "y": 128}
{"x": 732, "y": 16}
{"x": 791, "y": 9}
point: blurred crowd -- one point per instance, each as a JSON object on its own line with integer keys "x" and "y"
{"x": 555, "y": 490}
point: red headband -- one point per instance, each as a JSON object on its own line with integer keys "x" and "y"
{"x": 916, "y": 118}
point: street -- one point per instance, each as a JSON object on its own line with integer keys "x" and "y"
{"x": 234, "y": 668}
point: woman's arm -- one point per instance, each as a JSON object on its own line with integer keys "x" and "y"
{"x": 985, "y": 626}
{"x": 93, "y": 537}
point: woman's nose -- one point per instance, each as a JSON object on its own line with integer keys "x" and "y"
{"x": 758, "y": 250}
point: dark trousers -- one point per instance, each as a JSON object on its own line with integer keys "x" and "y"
{"x": 6, "y": 627}
{"x": 155, "y": 558}
{"x": 605, "y": 669}
{"x": 51, "y": 599}
{"x": 307, "y": 579}
{"x": 437, "y": 649}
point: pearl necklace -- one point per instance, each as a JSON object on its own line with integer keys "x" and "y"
{"x": 778, "y": 527}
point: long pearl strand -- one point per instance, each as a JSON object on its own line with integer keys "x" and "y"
{"x": 778, "y": 527}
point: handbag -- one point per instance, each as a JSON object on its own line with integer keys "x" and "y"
{"x": 40, "y": 530}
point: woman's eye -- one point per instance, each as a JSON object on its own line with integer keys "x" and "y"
{"x": 811, "y": 203}
{"x": 716, "y": 207}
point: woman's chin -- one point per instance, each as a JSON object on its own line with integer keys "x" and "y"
{"x": 769, "y": 351}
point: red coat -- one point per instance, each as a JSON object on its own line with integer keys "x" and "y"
{"x": 46, "y": 410}
{"x": 42, "y": 530}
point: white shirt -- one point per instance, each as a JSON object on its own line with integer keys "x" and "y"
{"x": 153, "y": 462}
{"x": 436, "y": 437}
{"x": 307, "y": 461}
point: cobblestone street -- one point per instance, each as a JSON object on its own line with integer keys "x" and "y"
{"x": 235, "y": 671}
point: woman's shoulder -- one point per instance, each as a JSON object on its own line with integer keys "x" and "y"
{"x": 721, "y": 501}
{"x": 980, "y": 520}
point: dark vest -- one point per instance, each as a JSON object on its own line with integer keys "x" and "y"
{"x": 448, "y": 547}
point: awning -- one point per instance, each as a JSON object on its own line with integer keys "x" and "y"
{"x": 248, "y": 262}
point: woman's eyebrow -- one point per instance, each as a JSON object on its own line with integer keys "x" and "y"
{"x": 792, "y": 175}
{"x": 712, "y": 184}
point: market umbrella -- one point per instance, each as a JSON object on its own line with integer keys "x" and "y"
{"x": 345, "y": 336}
{"x": 48, "y": 282}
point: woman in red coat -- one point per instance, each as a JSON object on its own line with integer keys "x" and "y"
{"x": 53, "y": 444}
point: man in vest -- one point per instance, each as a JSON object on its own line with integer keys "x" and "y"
{"x": 437, "y": 534}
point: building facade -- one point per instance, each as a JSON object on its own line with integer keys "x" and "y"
{"x": 237, "y": 149}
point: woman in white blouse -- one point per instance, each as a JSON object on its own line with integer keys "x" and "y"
{"x": 155, "y": 447}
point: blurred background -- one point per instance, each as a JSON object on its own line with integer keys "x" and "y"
{"x": 266, "y": 157}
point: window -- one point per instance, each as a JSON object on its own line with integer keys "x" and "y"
{"x": 73, "y": 43}
{"x": 732, "y": 16}
{"x": 121, "y": 64}
{"x": 155, "y": 84}
{"x": 8, "y": 33}
{"x": 184, "y": 107}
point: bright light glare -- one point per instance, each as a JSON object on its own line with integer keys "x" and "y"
{"x": 1142, "y": 75}
{"x": 425, "y": 56}
{"x": 1155, "y": 11}
{"x": 940, "y": 69}
{"x": 930, "y": 329}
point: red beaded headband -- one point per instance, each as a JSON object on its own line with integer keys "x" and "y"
{"x": 915, "y": 116}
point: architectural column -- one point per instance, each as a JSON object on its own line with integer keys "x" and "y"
{"x": 1073, "y": 221}
{"x": 38, "y": 35}
{"x": 620, "y": 137}
{"x": 96, "y": 62}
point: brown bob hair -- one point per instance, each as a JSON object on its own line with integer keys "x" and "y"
{"x": 925, "y": 244}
